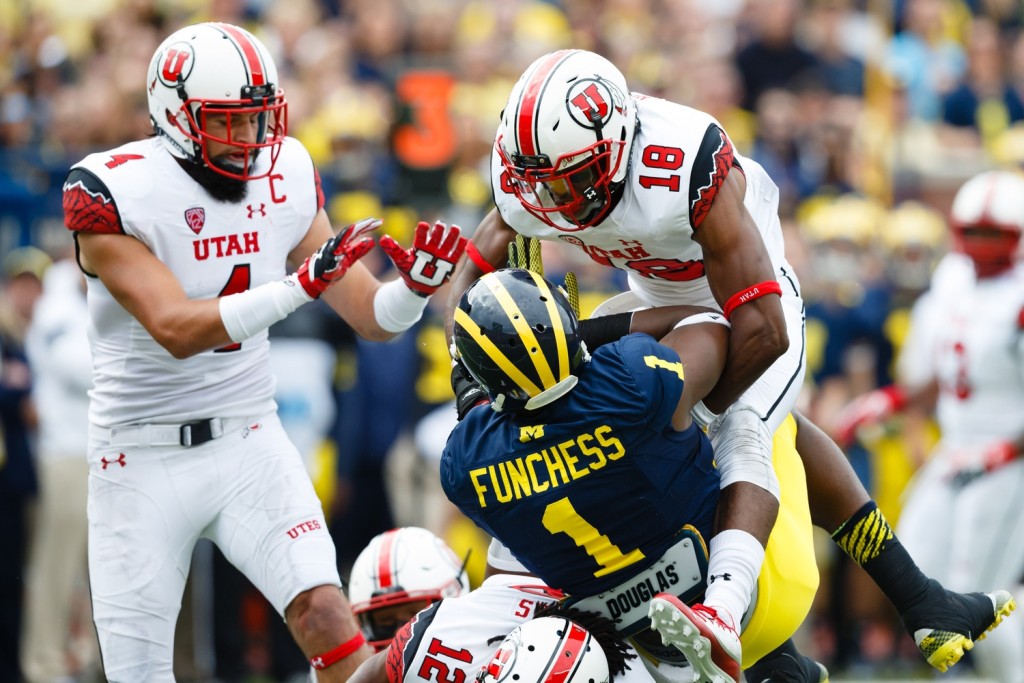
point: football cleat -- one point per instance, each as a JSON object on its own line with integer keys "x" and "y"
{"x": 711, "y": 646}
{"x": 945, "y": 624}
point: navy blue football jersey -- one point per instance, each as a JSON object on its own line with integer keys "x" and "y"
{"x": 592, "y": 489}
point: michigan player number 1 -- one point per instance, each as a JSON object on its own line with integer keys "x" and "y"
{"x": 560, "y": 517}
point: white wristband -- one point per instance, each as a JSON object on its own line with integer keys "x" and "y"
{"x": 396, "y": 307}
{"x": 246, "y": 313}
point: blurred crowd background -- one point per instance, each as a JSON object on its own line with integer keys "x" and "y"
{"x": 868, "y": 114}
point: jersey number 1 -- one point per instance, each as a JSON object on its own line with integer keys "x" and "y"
{"x": 561, "y": 517}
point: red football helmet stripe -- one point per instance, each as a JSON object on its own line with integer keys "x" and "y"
{"x": 570, "y": 652}
{"x": 530, "y": 102}
{"x": 249, "y": 53}
{"x": 385, "y": 562}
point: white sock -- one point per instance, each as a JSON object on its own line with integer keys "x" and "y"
{"x": 734, "y": 562}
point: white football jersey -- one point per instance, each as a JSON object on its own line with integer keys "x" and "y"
{"x": 679, "y": 160}
{"x": 213, "y": 248}
{"x": 978, "y": 359}
{"x": 454, "y": 638}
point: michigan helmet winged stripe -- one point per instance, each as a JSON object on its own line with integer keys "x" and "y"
{"x": 518, "y": 336}
{"x": 494, "y": 353}
{"x": 519, "y": 322}
{"x": 556, "y": 324}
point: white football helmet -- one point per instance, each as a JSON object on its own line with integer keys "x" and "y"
{"x": 401, "y": 566}
{"x": 547, "y": 650}
{"x": 220, "y": 70}
{"x": 987, "y": 218}
{"x": 565, "y": 138}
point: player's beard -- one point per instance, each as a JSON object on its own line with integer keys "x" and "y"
{"x": 219, "y": 186}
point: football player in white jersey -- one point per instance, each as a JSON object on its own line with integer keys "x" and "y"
{"x": 962, "y": 516}
{"x": 399, "y": 573}
{"x": 186, "y": 238}
{"x": 656, "y": 189}
{"x": 455, "y": 638}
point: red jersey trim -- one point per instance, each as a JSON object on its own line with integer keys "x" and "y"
{"x": 88, "y": 205}
{"x": 711, "y": 168}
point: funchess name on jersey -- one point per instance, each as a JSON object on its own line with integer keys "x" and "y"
{"x": 548, "y": 468}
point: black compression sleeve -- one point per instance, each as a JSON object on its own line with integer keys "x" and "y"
{"x": 605, "y": 329}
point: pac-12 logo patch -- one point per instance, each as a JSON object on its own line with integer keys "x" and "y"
{"x": 195, "y": 218}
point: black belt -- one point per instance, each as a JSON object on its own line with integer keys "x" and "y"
{"x": 199, "y": 432}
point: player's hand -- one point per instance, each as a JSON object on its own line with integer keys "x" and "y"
{"x": 430, "y": 261}
{"x": 330, "y": 262}
{"x": 869, "y": 408}
{"x": 968, "y": 465}
{"x": 468, "y": 394}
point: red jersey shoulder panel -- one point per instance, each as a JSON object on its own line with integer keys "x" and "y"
{"x": 407, "y": 639}
{"x": 715, "y": 159}
{"x": 89, "y": 205}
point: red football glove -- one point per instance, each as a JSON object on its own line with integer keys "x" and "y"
{"x": 869, "y": 408}
{"x": 430, "y": 261}
{"x": 966, "y": 466}
{"x": 335, "y": 257}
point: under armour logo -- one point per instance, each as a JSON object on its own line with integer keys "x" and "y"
{"x": 261, "y": 210}
{"x": 724, "y": 577}
{"x": 317, "y": 663}
{"x": 119, "y": 461}
{"x": 251, "y": 428}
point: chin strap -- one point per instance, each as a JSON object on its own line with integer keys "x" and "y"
{"x": 552, "y": 393}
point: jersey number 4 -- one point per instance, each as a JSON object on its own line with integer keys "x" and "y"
{"x": 238, "y": 282}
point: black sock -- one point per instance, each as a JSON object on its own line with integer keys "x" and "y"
{"x": 783, "y": 658}
{"x": 869, "y": 540}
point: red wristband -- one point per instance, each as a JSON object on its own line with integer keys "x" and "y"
{"x": 339, "y": 653}
{"x": 476, "y": 258}
{"x": 999, "y": 454}
{"x": 745, "y": 296}
{"x": 897, "y": 397}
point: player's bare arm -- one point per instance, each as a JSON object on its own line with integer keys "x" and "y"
{"x": 147, "y": 289}
{"x": 735, "y": 258}
{"x": 373, "y": 670}
{"x": 490, "y": 243}
{"x": 351, "y": 297}
{"x": 702, "y": 350}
